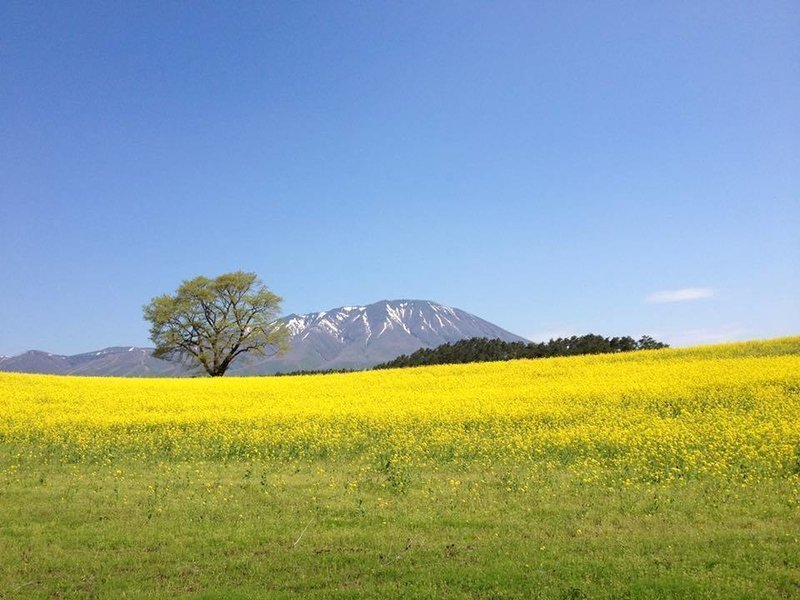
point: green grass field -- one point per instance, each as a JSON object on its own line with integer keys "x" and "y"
{"x": 234, "y": 530}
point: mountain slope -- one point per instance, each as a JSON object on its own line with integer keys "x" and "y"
{"x": 349, "y": 337}
{"x": 35, "y": 361}
{"x": 362, "y": 336}
{"x": 115, "y": 361}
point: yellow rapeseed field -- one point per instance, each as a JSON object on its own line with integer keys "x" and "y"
{"x": 730, "y": 410}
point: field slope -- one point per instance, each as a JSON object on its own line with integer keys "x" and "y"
{"x": 670, "y": 473}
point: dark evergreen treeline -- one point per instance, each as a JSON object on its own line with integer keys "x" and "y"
{"x": 486, "y": 350}
{"x": 316, "y": 372}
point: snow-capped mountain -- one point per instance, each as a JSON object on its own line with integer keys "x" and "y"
{"x": 350, "y": 337}
{"x": 362, "y": 336}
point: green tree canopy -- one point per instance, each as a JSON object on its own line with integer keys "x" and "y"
{"x": 208, "y": 323}
{"x": 483, "y": 350}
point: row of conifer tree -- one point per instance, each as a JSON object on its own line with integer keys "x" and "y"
{"x": 487, "y": 350}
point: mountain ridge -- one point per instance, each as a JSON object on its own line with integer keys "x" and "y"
{"x": 350, "y": 337}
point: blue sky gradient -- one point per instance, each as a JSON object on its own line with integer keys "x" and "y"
{"x": 546, "y": 166}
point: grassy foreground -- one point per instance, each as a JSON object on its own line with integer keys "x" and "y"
{"x": 650, "y": 475}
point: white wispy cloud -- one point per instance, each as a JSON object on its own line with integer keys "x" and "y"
{"x": 682, "y": 295}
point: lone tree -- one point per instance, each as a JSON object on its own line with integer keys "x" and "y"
{"x": 208, "y": 323}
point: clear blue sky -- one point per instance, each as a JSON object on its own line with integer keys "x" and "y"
{"x": 553, "y": 167}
